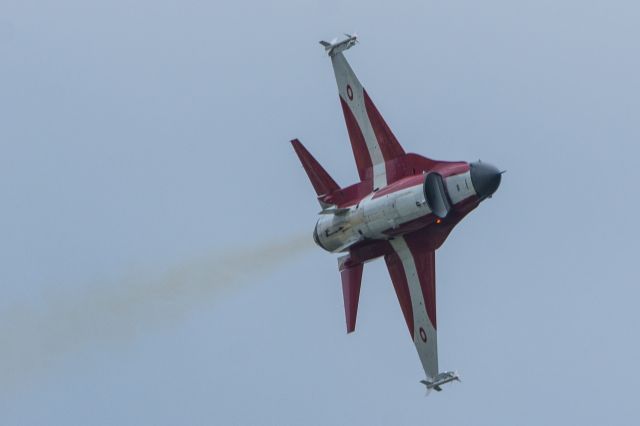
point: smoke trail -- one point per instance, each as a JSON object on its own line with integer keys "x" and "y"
{"x": 34, "y": 338}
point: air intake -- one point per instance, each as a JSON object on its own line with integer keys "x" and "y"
{"x": 436, "y": 195}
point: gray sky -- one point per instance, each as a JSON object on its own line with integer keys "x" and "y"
{"x": 145, "y": 174}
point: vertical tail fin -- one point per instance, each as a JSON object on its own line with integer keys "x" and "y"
{"x": 320, "y": 179}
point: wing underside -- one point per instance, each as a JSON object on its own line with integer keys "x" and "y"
{"x": 412, "y": 271}
{"x": 372, "y": 141}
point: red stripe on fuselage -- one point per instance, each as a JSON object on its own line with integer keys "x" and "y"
{"x": 401, "y": 184}
{"x": 450, "y": 168}
{"x": 412, "y": 225}
{"x": 351, "y": 195}
{"x": 369, "y": 250}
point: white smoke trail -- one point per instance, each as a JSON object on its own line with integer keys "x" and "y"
{"x": 34, "y": 338}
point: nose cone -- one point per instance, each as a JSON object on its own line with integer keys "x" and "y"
{"x": 485, "y": 179}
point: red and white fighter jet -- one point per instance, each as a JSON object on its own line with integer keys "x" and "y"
{"x": 403, "y": 209}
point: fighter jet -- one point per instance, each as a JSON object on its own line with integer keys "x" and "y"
{"x": 402, "y": 209}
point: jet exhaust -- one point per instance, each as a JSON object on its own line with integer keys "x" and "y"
{"x": 35, "y": 338}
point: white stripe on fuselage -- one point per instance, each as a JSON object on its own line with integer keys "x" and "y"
{"x": 346, "y": 77}
{"x": 427, "y": 351}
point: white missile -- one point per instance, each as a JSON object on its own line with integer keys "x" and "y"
{"x": 334, "y": 47}
{"x": 441, "y": 379}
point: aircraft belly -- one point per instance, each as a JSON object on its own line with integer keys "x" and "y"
{"x": 394, "y": 209}
{"x": 372, "y": 218}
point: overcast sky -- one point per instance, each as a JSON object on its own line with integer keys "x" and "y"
{"x": 151, "y": 212}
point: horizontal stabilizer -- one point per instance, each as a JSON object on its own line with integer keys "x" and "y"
{"x": 351, "y": 274}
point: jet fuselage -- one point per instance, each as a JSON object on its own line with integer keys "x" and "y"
{"x": 405, "y": 206}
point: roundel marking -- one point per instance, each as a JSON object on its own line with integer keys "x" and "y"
{"x": 349, "y": 92}
{"x": 423, "y": 335}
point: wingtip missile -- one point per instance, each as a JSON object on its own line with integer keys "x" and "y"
{"x": 439, "y": 380}
{"x": 333, "y": 47}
